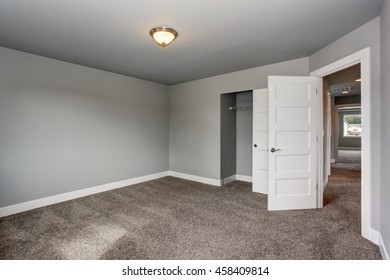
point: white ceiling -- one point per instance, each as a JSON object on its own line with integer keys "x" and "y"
{"x": 215, "y": 36}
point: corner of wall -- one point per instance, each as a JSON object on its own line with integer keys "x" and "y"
{"x": 383, "y": 249}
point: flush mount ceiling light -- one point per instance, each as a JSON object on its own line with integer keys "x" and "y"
{"x": 163, "y": 35}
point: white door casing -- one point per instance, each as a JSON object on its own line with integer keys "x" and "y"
{"x": 362, "y": 57}
{"x": 260, "y": 141}
{"x": 328, "y": 134}
{"x": 292, "y": 142}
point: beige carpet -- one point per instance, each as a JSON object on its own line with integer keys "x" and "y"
{"x": 170, "y": 218}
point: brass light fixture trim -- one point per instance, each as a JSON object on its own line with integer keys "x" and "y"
{"x": 163, "y": 35}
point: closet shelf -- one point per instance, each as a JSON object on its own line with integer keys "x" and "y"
{"x": 242, "y": 107}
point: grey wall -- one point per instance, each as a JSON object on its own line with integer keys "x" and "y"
{"x": 194, "y": 119}
{"x": 244, "y": 134}
{"x": 65, "y": 127}
{"x": 367, "y": 35}
{"x": 228, "y": 135}
{"x": 385, "y": 131}
{"x": 348, "y": 100}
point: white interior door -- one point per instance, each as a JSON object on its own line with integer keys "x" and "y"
{"x": 292, "y": 145}
{"x": 260, "y": 141}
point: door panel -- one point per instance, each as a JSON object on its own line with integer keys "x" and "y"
{"x": 292, "y": 139}
{"x": 292, "y": 130}
{"x": 293, "y": 187}
{"x": 260, "y": 141}
{"x": 292, "y": 163}
{"x": 283, "y": 119}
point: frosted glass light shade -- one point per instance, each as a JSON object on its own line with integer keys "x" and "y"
{"x": 163, "y": 35}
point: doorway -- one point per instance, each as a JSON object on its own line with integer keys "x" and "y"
{"x": 342, "y": 109}
{"x": 236, "y": 136}
{"x": 362, "y": 57}
{"x": 343, "y": 131}
{"x": 342, "y": 119}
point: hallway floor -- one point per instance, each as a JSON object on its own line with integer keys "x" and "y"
{"x": 348, "y": 159}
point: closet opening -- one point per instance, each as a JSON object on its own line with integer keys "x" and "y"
{"x": 236, "y": 136}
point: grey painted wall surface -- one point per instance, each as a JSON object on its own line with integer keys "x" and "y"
{"x": 348, "y": 100}
{"x": 194, "y": 131}
{"x": 228, "y": 135}
{"x": 367, "y": 35}
{"x": 244, "y": 134}
{"x": 65, "y": 127}
{"x": 385, "y": 131}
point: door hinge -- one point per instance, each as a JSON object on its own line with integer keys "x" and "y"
{"x": 316, "y": 138}
{"x": 316, "y": 91}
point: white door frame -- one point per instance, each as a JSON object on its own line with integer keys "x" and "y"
{"x": 362, "y": 57}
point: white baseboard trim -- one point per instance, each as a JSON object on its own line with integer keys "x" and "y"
{"x": 325, "y": 184}
{"x": 29, "y": 205}
{"x": 204, "y": 180}
{"x": 46, "y": 201}
{"x": 229, "y": 179}
{"x": 383, "y": 249}
{"x": 237, "y": 177}
{"x": 244, "y": 178}
{"x": 376, "y": 237}
{"x": 373, "y": 236}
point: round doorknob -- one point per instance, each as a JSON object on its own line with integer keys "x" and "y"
{"x": 255, "y": 145}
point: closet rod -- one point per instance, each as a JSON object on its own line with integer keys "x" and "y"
{"x": 242, "y": 107}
